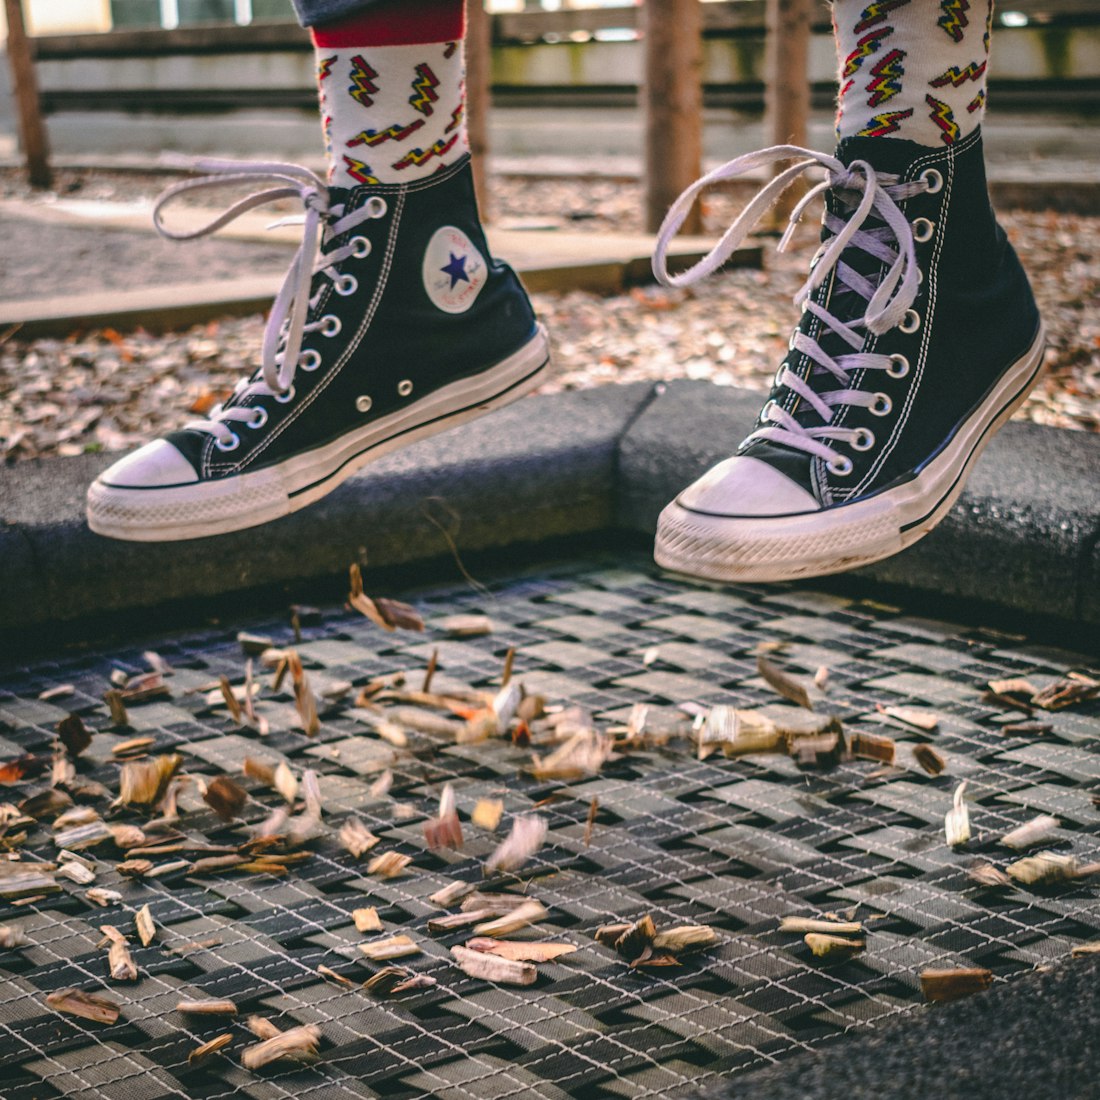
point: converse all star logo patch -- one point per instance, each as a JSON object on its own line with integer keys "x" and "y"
{"x": 454, "y": 270}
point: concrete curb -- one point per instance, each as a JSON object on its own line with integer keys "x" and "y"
{"x": 592, "y": 464}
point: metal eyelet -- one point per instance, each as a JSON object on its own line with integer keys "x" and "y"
{"x": 258, "y": 418}
{"x": 286, "y": 397}
{"x": 404, "y": 387}
{"x": 345, "y": 285}
{"x": 330, "y": 325}
{"x": 882, "y": 405}
{"x": 363, "y": 403}
{"x": 899, "y": 366}
{"x": 309, "y": 360}
{"x": 362, "y": 247}
{"x": 794, "y": 335}
{"x": 932, "y": 179}
{"x": 910, "y": 322}
{"x": 923, "y": 230}
{"x": 765, "y": 412}
{"x": 233, "y": 443}
{"x": 777, "y": 381}
{"x": 864, "y": 440}
{"x": 842, "y": 466}
{"x": 377, "y": 206}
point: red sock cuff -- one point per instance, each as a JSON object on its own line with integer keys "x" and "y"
{"x": 396, "y": 23}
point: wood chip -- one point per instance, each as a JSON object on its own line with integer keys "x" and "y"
{"x": 12, "y": 936}
{"x": 911, "y": 716}
{"x": 103, "y": 897}
{"x": 119, "y": 960}
{"x": 929, "y": 759}
{"x": 580, "y": 757}
{"x": 590, "y": 821}
{"x": 685, "y": 939}
{"x": 146, "y": 929}
{"x": 207, "y": 1008}
{"x": 869, "y": 746}
{"x": 451, "y": 893}
{"x": 1015, "y": 686}
{"x": 454, "y": 921}
{"x": 260, "y": 770}
{"x": 956, "y": 822}
{"x": 493, "y": 968}
{"x": 525, "y": 839}
{"x": 134, "y": 746}
{"x": 517, "y": 951}
{"x": 61, "y": 691}
{"x": 783, "y": 683}
{"x": 356, "y": 837}
{"x": 117, "y": 707}
{"x": 637, "y": 938}
{"x": 530, "y": 912}
{"x": 74, "y": 735}
{"x": 286, "y": 783}
{"x": 367, "y": 920}
{"x": 985, "y": 874}
{"x": 487, "y": 813}
{"x": 1026, "y": 729}
{"x": 1035, "y": 831}
{"x": 395, "y": 947}
{"x": 225, "y": 797}
{"x": 143, "y": 782}
{"x": 802, "y": 925}
{"x": 1044, "y": 869}
{"x": 261, "y": 1028}
{"x": 826, "y": 946}
{"x": 950, "y": 985}
{"x": 304, "y": 700}
{"x": 467, "y": 626}
{"x": 1082, "y": 949}
{"x": 88, "y": 1006}
{"x": 332, "y": 976}
{"x": 298, "y": 1043}
{"x": 201, "y": 1053}
{"x": 1006, "y": 702}
{"x": 46, "y": 803}
{"x": 388, "y": 864}
{"x": 1071, "y": 689}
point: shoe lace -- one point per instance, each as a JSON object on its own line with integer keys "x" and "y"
{"x": 861, "y": 194}
{"x": 292, "y": 313}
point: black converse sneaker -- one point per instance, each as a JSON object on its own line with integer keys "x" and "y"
{"x": 919, "y": 338}
{"x": 402, "y": 327}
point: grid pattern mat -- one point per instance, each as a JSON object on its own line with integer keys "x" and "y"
{"x": 731, "y": 843}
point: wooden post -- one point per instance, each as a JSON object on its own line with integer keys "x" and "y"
{"x": 672, "y": 98}
{"x": 479, "y": 32}
{"x": 787, "y": 91}
{"x": 32, "y": 132}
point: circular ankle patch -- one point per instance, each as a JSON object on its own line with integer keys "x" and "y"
{"x": 454, "y": 271}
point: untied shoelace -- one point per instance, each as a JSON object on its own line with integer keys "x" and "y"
{"x": 888, "y": 301}
{"x": 288, "y": 321}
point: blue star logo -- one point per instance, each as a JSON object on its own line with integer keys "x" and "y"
{"x": 456, "y": 268}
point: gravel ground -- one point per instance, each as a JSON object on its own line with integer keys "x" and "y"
{"x": 105, "y": 391}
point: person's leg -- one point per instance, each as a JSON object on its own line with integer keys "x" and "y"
{"x": 919, "y": 335}
{"x": 394, "y": 322}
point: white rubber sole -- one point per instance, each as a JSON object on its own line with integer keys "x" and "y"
{"x": 246, "y": 500}
{"x": 815, "y": 544}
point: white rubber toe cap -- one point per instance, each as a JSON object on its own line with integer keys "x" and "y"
{"x": 743, "y": 486}
{"x": 155, "y": 465}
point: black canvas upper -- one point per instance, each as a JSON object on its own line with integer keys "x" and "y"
{"x": 390, "y": 330}
{"x": 977, "y": 317}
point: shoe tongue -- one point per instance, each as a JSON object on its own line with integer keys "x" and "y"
{"x": 890, "y": 155}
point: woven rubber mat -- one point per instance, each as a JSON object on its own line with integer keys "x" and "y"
{"x": 731, "y": 843}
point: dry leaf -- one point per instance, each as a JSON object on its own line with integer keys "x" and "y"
{"x": 581, "y": 756}
{"x": 826, "y": 946}
{"x": 117, "y": 707}
{"x": 530, "y": 912}
{"x": 950, "y": 985}
{"x": 356, "y": 837}
{"x": 519, "y": 951}
{"x": 1044, "y": 869}
{"x": 956, "y": 822}
{"x": 396, "y": 947}
{"x": 1014, "y": 686}
{"x": 207, "y": 1008}
{"x": 203, "y": 1052}
{"x": 444, "y": 831}
{"x": 286, "y": 783}
{"x": 685, "y": 939}
{"x": 304, "y": 700}
{"x": 119, "y": 959}
{"x": 1082, "y": 949}
{"x": 58, "y": 692}
{"x": 259, "y": 770}
{"x": 144, "y": 782}
{"x": 230, "y": 699}
{"x": 74, "y": 735}
{"x": 821, "y": 678}
{"x": 493, "y": 968}
{"x": 985, "y": 874}
{"x": 525, "y": 839}
{"x": 261, "y": 1028}
{"x": 45, "y": 803}
{"x": 88, "y": 1006}
{"x": 388, "y": 864}
{"x": 1071, "y": 689}
{"x": 367, "y": 920}
{"x": 328, "y": 972}
{"x": 11, "y": 936}
{"x": 298, "y": 1043}
{"x": 1033, "y": 832}
{"x": 783, "y": 683}
{"x": 23, "y": 767}
{"x": 590, "y": 822}
{"x": 636, "y": 938}
{"x": 146, "y": 929}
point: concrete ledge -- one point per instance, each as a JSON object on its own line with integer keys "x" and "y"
{"x": 590, "y": 464}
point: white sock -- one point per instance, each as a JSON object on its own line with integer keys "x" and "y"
{"x": 913, "y": 69}
{"x": 392, "y": 114}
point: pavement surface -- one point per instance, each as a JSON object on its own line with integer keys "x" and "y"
{"x": 734, "y": 843}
